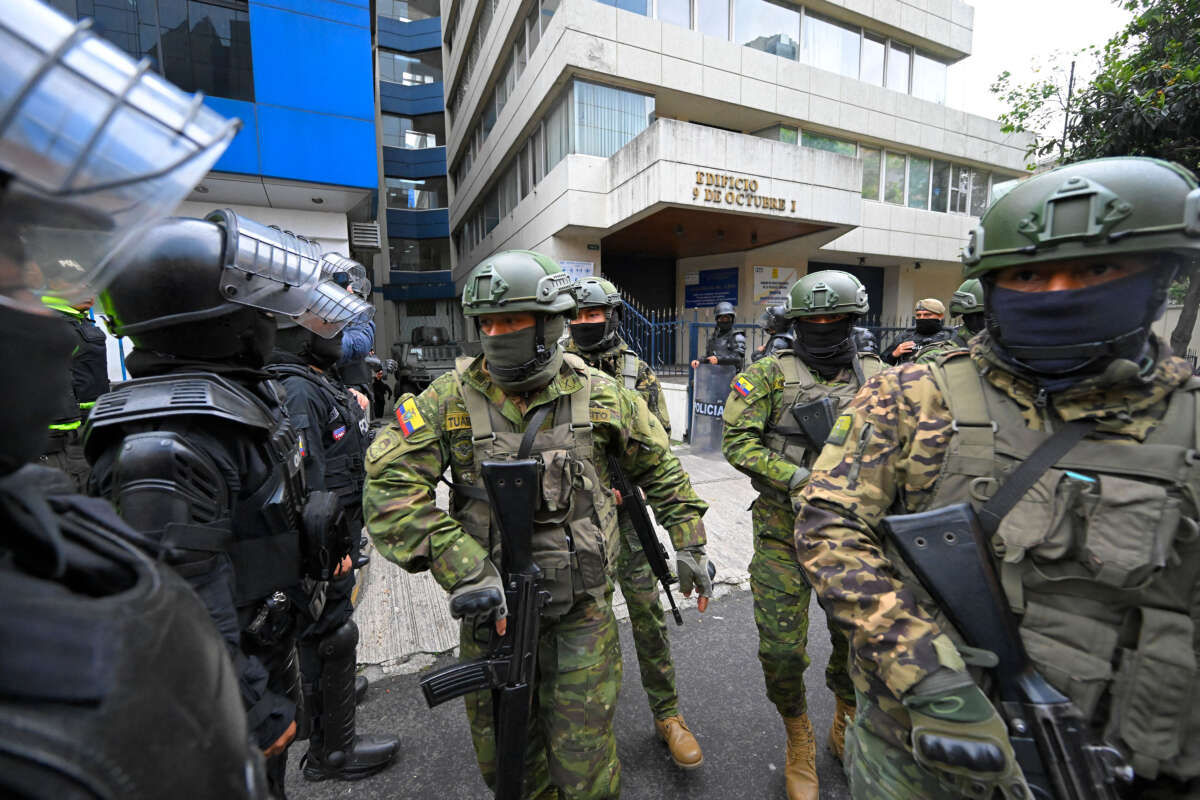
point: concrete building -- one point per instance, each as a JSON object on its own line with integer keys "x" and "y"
{"x": 705, "y": 150}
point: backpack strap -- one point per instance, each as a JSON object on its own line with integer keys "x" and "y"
{"x": 796, "y": 377}
{"x": 629, "y": 370}
{"x": 960, "y": 384}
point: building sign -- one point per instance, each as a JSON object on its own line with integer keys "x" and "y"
{"x": 577, "y": 269}
{"x": 771, "y": 284}
{"x": 711, "y": 287}
{"x": 739, "y": 191}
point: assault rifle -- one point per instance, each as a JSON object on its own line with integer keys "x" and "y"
{"x": 509, "y": 666}
{"x": 1061, "y": 758}
{"x": 631, "y": 499}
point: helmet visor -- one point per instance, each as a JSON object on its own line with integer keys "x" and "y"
{"x": 332, "y": 308}
{"x": 346, "y": 272}
{"x": 96, "y": 147}
{"x": 265, "y": 267}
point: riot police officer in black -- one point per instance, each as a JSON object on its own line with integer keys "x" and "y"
{"x": 114, "y": 683}
{"x": 726, "y": 346}
{"x": 198, "y": 452}
{"x": 332, "y": 431}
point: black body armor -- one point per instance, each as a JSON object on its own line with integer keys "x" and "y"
{"x": 89, "y": 364}
{"x": 729, "y": 348}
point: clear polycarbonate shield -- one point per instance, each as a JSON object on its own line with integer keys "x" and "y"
{"x": 95, "y": 147}
{"x": 333, "y": 308}
{"x": 346, "y": 272}
{"x": 265, "y": 267}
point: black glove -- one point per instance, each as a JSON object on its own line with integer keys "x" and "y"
{"x": 480, "y": 598}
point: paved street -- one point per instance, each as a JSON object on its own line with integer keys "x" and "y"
{"x": 721, "y": 689}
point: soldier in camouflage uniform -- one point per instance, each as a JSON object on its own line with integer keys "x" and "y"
{"x": 481, "y": 411}
{"x": 1099, "y": 559}
{"x": 595, "y": 339}
{"x": 967, "y": 303}
{"x": 763, "y": 439}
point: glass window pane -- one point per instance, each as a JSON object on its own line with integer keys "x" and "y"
{"x": 606, "y": 118}
{"x": 897, "y": 68}
{"x": 519, "y": 49}
{"x": 523, "y": 159}
{"x": 979, "y": 192}
{"x": 767, "y": 26}
{"x": 871, "y": 164}
{"x": 558, "y": 131}
{"x": 537, "y": 155}
{"x": 918, "y": 182}
{"x": 419, "y": 255}
{"x": 410, "y": 69}
{"x": 872, "y": 60}
{"x": 960, "y": 189}
{"x": 491, "y": 211}
{"x": 712, "y": 18}
{"x": 532, "y": 28}
{"x": 488, "y": 120}
{"x": 940, "y": 194}
{"x": 822, "y": 142}
{"x": 408, "y": 10}
{"x": 929, "y": 79}
{"x": 778, "y": 133}
{"x": 636, "y": 6}
{"x": 548, "y": 9}
{"x": 893, "y": 178}
{"x": 676, "y": 12}
{"x": 830, "y": 45}
{"x": 417, "y": 193}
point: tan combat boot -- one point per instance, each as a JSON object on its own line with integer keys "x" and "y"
{"x": 685, "y": 750}
{"x": 843, "y": 715}
{"x": 801, "y": 769}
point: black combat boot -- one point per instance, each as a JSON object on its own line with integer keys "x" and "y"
{"x": 334, "y": 750}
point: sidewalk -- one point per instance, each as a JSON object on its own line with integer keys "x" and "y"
{"x": 404, "y": 620}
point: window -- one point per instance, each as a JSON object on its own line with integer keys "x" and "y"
{"x": 636, "y": 6}
{"x": 419, "y": 255}
{"x": 410, "y": 69}
{"x": 491, "y": 212}
{"x": 830, "y": 45}
{"x": 526, "y": 175}
{"x": 779, "y": 133}
{"x": 676, "y": 12}
{"x": 607, "y": 118}
{"x": 979, "y": 192}
{"x": 893, "y": 178}
{"x": 207, "y": 49}
{"x": 820, "y": 141}
{"x": 918, "y": 182}
{"x": 488, "y": 120}
{"x": 409, "y": 10}
{"x": 897, "y": 67}
{"x": 531, "y": 25}
{"x": 960, "y": 189}
{"x": 548, "y": 9}
{"x": 767, "y": 26}
{"x": 712, "y": 18}
{"x": 414, "y": 133}
{"x": 537, "y": 155}
{"x": 558, "y": 131}
{"x": 939, "y": 195}
{"x": 871, "y": 166}
{"x": 419, "y": 308}
{"x": 928, "y": 79}
{"x": 871, "y": 68}
{"x": 417, "y": 193}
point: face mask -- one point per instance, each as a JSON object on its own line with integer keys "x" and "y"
{"x": 1077, "y": 332}
{"x": 724, "y": 325}
{"x": 589, "y": 336}
{"x": 973, "y": 322}
{"x": 513, "y": 360}
{"x": 35, "y": 365}
{"x": 324, "y": 353}
{"x": 928, "y": 327}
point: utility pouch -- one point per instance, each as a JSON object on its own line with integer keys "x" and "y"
{"x": 815, "y": 420}
{"x": 324, "y": 535}
{"x": 1131, "y": 526}
{"x": 1073, "y": 652}
{"x": 590, "y": 556}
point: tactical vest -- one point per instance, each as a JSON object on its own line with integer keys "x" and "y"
{"x": 89, "y": 364}
{"x": 1100, "y": 559}
{"x": 575, "y": 526}
{"x": 260, "y": 532}
{"x": 723, "y": 345}
{"x": 784, "y": 436}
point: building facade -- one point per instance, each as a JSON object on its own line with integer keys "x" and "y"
{"x": 704, "y": 150}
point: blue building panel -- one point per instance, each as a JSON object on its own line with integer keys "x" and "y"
{"x": 410, "y": 37}
{"x": 242, "y": 153}
{"x": 424, "y": 163}
{"x": 426, "y": 98}
{"x": 432, "y": 224}
{"x": 303, "y": 146}
{"x": 307, "y": 62}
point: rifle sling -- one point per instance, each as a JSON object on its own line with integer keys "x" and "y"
{"x": 531, "y": 431}
{"x": 1024, "y": 476}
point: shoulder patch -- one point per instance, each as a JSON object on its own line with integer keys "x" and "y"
{"x": 409, "y": 417}
{"x": 743, "y": 386}
{"x": 458, "y": 421}
{"x": 840, "y": 430}
{"x": 598, "y": 414}
{"x": 384, "y": 443}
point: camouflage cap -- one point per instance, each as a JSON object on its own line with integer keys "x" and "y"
{"x": 932, "y": 305}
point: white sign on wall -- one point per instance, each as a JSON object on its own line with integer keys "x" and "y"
{"x": 771, "y": 284}
{"x": 578, "y": 269}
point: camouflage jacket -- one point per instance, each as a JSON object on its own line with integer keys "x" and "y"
{"x": 890, "y": 461}
{"x": 403, "y": 468}
{"x": 612, "y": 362}
{"x": 931, "y": 352}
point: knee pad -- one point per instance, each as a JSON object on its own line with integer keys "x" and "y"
{"x": 340, "y": 643}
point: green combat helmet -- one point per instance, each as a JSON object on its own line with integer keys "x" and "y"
{"x": 596, "y": 292}
{"x": 517, "y": 281}
{"x": 967, "y": 298}
{"x": 828, "y": 291}
{"x": 1100, "y": 207}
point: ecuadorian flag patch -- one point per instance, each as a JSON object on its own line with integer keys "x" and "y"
{"x": 409, "y": 417}
{"x": 743, "y": 386}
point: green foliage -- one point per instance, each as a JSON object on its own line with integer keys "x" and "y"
{"x": 1144, "y": 98}
{"x": 1178, "y": 290}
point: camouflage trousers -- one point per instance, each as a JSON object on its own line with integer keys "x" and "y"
{"x": 571, "y": 741}
{"x": 640, "y": 588}
{"x": 877, "y": 769}
{"x": 781, "y": 597}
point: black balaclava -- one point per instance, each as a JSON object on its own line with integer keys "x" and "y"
{"x": 592, "y": 336}
{"x": 258, "y": 341}
{"x": 973, "y": 322}
{"x": 1066, "y": 336}
{"x": 323, "y": 353}
{"x": 35, "y": 370}
{"x": 724, "y": 324}
{"x": 927, "y": 327}
{"x": 824, "y": 346}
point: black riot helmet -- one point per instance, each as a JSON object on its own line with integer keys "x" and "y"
{"x": 206, "y": 289}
